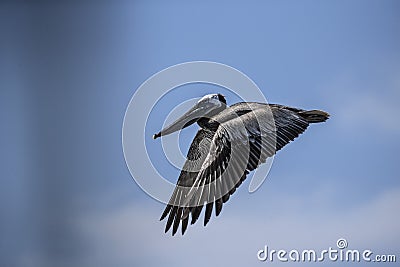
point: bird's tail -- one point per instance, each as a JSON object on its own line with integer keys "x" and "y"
{"x": 314, "y": 116}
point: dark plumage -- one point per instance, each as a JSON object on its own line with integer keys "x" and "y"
{"x": 232, "y": 142}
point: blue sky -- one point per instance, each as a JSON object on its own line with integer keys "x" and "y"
{"x": 68, "y": 71}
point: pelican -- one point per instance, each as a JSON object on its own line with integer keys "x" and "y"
{"x": 231, "y": 142}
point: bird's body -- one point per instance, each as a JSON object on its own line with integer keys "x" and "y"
{"x": 231, "y": 142}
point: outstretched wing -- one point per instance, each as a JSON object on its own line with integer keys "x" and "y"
{"x": 218, "y": 161}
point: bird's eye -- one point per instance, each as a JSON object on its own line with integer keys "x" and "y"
{"x": 215, "y": 96}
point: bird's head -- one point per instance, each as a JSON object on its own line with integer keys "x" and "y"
{"x": 206, "y": 107}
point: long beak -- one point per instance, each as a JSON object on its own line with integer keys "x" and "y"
{"x": 190, "y": 117}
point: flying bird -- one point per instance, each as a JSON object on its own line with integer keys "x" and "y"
{"x": 231, "y": 142}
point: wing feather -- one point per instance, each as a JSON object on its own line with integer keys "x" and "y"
{"x": 219, "y": 160}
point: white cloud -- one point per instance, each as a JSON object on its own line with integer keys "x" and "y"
{"x": 132, "y": 235}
